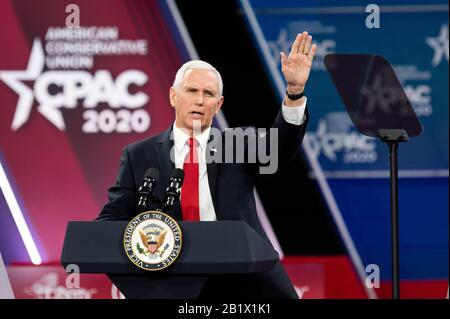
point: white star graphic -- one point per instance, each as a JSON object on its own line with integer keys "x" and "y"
{"x": 439, "y": 45}
{"x": 14, "y": 80}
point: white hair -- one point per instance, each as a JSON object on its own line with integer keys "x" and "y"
{"x": 196, "y": 65}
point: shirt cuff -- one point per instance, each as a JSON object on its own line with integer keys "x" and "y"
{"x": 294, "y": 114}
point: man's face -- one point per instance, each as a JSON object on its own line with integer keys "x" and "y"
{"x": 196, "y": 100}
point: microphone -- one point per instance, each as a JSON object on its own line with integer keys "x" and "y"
{"x": 173, "y": 191}
{"x": 145, "y": 192}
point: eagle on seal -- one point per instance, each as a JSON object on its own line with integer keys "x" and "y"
{"x": 152, "y": 240}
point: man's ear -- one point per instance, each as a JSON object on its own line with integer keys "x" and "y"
{"x": 219, "y": 104}
{"x": 172, "y": 96}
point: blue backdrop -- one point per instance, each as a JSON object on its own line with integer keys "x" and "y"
{"x": 413, "y": 36}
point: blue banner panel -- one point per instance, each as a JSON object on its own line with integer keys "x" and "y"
{"x": 413, "y": 37}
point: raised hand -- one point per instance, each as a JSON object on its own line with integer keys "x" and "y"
{"x": 297, "y": 65}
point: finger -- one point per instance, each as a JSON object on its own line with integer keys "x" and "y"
{"x": 283, "y": 58}
{"x": 303, "y": 42}
{"x": 308, "y": 45}
{"x": 312, "y": 53}
{"x": 296, "y": 44}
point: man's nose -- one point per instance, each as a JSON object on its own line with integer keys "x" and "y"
{"x": 199, "y": 99}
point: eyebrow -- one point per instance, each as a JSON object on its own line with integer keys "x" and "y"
{"x": 195, "y": 88}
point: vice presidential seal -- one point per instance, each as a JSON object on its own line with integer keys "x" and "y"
{"x": 152, "y": 240}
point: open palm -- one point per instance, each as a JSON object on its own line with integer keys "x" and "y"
{"x": 297, "y": 66}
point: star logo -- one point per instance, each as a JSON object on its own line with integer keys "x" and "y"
{"x": 440, "y": 45}
{"x": 14, "y": 79}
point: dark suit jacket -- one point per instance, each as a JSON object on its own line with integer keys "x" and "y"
{"x": 231, "y": 186}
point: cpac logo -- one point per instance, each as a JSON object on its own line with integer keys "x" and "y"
{"x": 324, "y": 48}
{"x": 72, "y": 86}
{"x": 420, "y": 97}
{"x": 334, "y": 136}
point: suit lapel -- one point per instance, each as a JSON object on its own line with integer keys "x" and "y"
{"x": 166, "y": 165}
{"x": 163, "y": 147}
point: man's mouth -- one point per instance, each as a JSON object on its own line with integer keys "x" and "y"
{"x": 196, "y": 114}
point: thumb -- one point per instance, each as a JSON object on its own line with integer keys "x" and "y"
{"x": 283, "y": 58}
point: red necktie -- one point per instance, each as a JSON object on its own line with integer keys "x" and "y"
{"x": 189, "y": 190}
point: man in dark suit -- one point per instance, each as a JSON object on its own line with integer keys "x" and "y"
{"x": 216, "y": 189}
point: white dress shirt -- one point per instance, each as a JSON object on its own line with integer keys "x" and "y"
{"x": 292, "y": 115}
